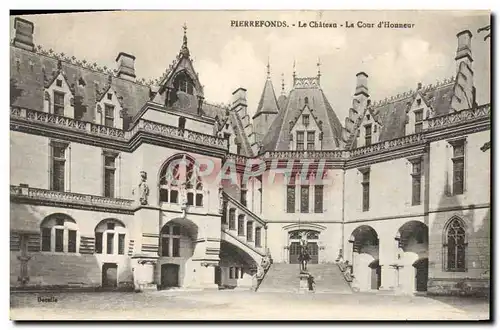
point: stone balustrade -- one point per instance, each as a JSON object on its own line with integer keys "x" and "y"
{"x": 454, "y": 118}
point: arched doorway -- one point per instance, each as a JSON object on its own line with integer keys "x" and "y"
{"x": 294, "y": 245}
{"x": 413, "y": 245}
{"x": 421, "y": 274}
{"x": 237, "y": 267}
{"x": 177, "y": 244}
{"x": 365, "y": 258}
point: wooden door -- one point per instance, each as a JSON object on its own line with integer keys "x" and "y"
{"x": 169, "y": 275}
{"x": 109, "y": 275}
{"x": 294, "y": 252}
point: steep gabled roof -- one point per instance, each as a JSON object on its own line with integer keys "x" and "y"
{"x": 268, "y": 102}
{"x": 278, "y": 137}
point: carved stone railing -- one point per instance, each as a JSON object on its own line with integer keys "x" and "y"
{"x": 306, "y": 154}
{"x": 233, "y": 203}
{"x": 182, "y": 134}
{"x": 237, "y": 159}
{"x": 69, "y": 197}
{"x": 51, "y": 119}
{"x": 454, "y": 118}
{"x": 388, "y": 145}
{"x": 65, "y": 122}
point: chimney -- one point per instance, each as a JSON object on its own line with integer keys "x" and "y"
{"x": 24, "y": 34}
{"x": 361, "y": 84}
{"x": 240, "y": 101}
{"x": 126, "y": 69}
{"x": 464, "y": 52}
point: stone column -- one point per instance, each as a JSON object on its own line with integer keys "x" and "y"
{"x": 388, "y": 249}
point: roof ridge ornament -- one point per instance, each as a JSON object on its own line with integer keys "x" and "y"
{"x": 268, "y": 69}
{"x": 282, "y": 83}
{"x": 184, "y": 49}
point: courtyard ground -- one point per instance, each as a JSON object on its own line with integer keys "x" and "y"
{"x": 242, "y": 305}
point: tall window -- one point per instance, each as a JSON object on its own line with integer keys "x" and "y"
{"x": 455, "y": 246}
{"x": 109, "y": 115}
{"x": 109, "y": 174}
{"x": 368, "y": 134}
{"x": 300, "y": 140}
{"x": 318, "y": 199}
{"x": 181, "y": 174}
{"x": 258, "y": 233}
{"x": 249, "y": 231}
{"x": 310, "y": 140}
{"x": 305, "y": 120}
{"x": 419, "y": 117}
{"x": 58, "y": 103}
{"x": 232, "y": 219}
{"x": 243, "y": 193}
{"x": 241, "y": 225}
{"x": 458, "y": 166}
{"x": 416, "y": 176}
{"x": 171, "y": 241}
{"x": 290, "y": 198}
{"x": 366, "y": 189}
{"x": 110, "y": 237}
{"x": 59, "y": 234}
{"x": 58, "y": 166}
{"x": 304, "y": 199}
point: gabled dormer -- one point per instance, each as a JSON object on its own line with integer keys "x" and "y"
{"x": 306, "y": 131}
{"x": 59, "y": 94}
{"x": 180, "y": 88}
{"x": 109, "y": 109}
{"x": 418, "y": 109}
{"x": 369, "y": 128}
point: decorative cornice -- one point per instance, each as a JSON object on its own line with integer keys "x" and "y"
{"x": 454, "y": 118}
{"x": 30, "y": 195}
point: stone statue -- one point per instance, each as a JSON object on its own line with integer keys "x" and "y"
{"x": 221, "y": 200}
{"x": 304, "y": 256}
{"x": 303, "y": 238}
{"x": 143, "y": 189}
{"x": 183, "y": 197}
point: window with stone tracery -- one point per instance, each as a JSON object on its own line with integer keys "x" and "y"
{"x": 184, "y": 83}
{"x": 180, "y": 179}
{"x": 455, "y": 246}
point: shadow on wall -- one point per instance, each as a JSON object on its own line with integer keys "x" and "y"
{"x": 32, "y": 268}
{"x": 459, "y": 249}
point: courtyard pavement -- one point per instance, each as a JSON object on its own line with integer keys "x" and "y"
{"x": 241, "y": 305}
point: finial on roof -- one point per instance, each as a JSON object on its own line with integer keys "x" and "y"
{"x": 282, "y": 84}
{"x": 319, "y": 67}
{"x": 293, "y": 68}
{"x": 184, "y": 49}
{"x": 268, "y": 69}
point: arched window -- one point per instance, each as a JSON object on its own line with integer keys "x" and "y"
{"x": 179, "y": 179}
{"x": 59, "y": 234}
{"x": 110, "y": 237}
{"x": 455, "y": 244}
{"x": 184, "y": 83}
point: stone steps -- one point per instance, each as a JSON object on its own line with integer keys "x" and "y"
{"x": 329, "y": 278}
{"x": 281, "y": 278}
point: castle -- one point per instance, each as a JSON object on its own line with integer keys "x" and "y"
{"x": 107, "y": 188}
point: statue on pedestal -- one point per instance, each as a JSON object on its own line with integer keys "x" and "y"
{"x": 304, "y": 256}
{"x": 143, "y": 189}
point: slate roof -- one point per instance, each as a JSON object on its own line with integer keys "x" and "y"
{"x": 277, "y": 138}
{"x": 268, "y": 102}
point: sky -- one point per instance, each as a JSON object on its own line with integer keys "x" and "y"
{"x": 230, "y": 57}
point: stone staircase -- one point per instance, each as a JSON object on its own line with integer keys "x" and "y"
{"x": 285, "y": 278}
{"x": 281, "y": 278}
{"x": 329, "y": 278}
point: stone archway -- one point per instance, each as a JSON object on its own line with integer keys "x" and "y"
{"x": 236, "y": 266}
{"x": 412, "y": 257}
{"x": 365, "y": 258}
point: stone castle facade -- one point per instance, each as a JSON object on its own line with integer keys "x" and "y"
{"x": 95, "y": 202}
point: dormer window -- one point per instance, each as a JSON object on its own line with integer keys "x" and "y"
{"x": 419, "y": 101}
{"x": 59, "y": 83}
{"x": 58, "y": 103}
{"x": 306, "y": 100}
{"x": 310, "y": 140}
{"x": 184, "y": 84}
{"x": 305, "y": 120}
{"x": 300, "y": 140}
{"x": 368, "y": 117}
{"x": 419, "y": 116}
{"x": 368, "y": 134}
{"x": 109, "y": 113}
{"x": 110, "y": 96}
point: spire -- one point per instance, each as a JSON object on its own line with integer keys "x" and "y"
{"x": 184, "y": 48}
{"x": 319, "y": 68}
{"x": 268, "y": 102}
{"x": 268, "y": 69}
{"x": 282, "y": 84}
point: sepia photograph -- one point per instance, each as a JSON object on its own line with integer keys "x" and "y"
{"x": 250, "y": 165}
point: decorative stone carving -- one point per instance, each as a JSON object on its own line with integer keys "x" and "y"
{"x": 143, "y": 189}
